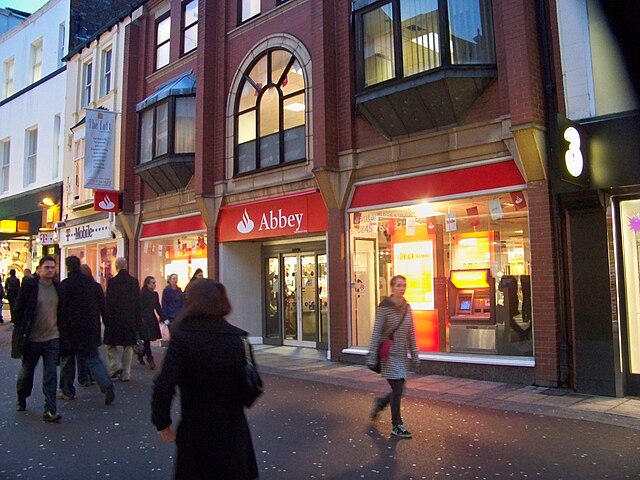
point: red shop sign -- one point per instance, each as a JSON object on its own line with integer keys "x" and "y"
{"x": 283, "y": 216}
{"x": 106, "y": 200}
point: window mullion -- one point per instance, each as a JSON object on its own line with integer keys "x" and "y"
{"x": 154, "y": 132}
{"x": 280, "y": 127}
{"x": 397, "y": 39}
{"x": 445, "y": 33}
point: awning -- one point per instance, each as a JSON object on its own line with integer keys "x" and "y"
{"x": 174, "y": 226}
{"x": 183, "y": 85}
{"x": 478, "y": 178}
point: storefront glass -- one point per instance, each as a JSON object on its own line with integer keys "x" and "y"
{"x": 16, "y": 254}
{"x": 467, "y": 264}
{"x": 180, "y": 254}
{"x": 101, "y": 259}
{"x": 630, "y": 233}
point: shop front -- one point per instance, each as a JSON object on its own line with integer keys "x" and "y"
{"x": 26, "y": 228}
{"x": 460, "y": 236}
{"x": 95, "y": 243}
{"x": 173, "y": 246}
{"x": 285, "y": 236}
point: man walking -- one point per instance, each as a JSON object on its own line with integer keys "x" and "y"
{"x": 79, "y": 324}
{"x": 122, "y": 320}
{"x": 11, "y": 289}
{"x": 36, "y": 335}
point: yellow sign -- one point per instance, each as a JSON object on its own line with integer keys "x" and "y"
{"x": 414, "y": 260}
{"x": 470, "y": 278}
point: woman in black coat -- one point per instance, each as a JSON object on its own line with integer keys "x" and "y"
{"x": 149, "y": 329}
{"x": 205, "y": 359}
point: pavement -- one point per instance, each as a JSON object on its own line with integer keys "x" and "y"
{"x": 310, "y": 364}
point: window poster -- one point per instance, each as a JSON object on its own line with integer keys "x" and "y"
{"x": 414, "y": 260}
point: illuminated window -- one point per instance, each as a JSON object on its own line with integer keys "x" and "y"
{"x": 189, "y": 26}
{"x": 400, "y": 38}
{"x": 168, "y": 128}
{"x": 80, "y": 194}
{"x": 467, "y": 263}
{"x": 270, "y": 113}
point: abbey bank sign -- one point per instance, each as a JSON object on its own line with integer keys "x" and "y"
{"x": 285, "y": 216}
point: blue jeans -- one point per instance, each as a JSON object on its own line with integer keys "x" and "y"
{"x": 94, "y": 364}
{"x": 31, "y": 353}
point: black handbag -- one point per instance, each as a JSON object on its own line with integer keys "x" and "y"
{"x": 253, "y": 386}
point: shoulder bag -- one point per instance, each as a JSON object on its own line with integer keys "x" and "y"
{"x": 252, "y": 386}
{"x": 384, "y": 348}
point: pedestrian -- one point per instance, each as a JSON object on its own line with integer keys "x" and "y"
{"x": 206, "y": 357}
{"x": 36, "y": 335}
{"x": 2, "y": 295}
{"x": 197, "y": 275}
{"x": 80, "y": 305}
{"x": 172, "y": 298}
{"x": 26, "y": 273}
{"x": 394, "y": 320}
{"x": 149, "y": 330}
{"x": 12, "y": 288}
{"x": 122, "y": 320}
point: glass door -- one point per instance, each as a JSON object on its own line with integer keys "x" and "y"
{"x": 291, "y": 290}
{"x": 273, "y": 330}
{"x": 296, "y": 302}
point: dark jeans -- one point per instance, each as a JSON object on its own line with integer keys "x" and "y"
{"x": 31, "y": 353}
{"x": 12, "y": 305}
{"x": 93, "y": 363}
{"x": 394, "y": 398}
{"x": 147, "y": 349}
{"x": 68, "y": 373}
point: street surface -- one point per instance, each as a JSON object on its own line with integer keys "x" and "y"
{"x": 304, "y": 429}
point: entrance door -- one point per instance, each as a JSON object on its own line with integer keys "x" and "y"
{"x": 297, "y": 316}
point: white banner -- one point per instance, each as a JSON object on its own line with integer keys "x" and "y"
{"x": 99, "y": 149}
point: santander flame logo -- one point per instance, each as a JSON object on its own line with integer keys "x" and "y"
{"x": 106, "y": 203}
{"x": 246, "y": 224}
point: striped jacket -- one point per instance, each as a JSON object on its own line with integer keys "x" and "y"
{"x": 388, "y": 316}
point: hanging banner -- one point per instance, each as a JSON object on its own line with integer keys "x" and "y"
{"x": 100, "y": 128}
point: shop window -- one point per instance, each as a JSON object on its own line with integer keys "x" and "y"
{"x": 5, "y": 151}
{"x": 630, "y": 237}
{"x": 401, "y": 38}
{"x": 168, "y": 128}
{"x": 467, "y": 264}
{"x": 180, "y": 255}
{"x": 163, "y": 41}
{"x": 189, "y": 26}
{"x": 249, "y": 9}
{"x": 270, "y": 113}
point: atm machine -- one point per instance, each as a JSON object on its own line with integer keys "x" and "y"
{"x": 472, "y": 318}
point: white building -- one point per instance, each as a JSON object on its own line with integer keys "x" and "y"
{"x": 94, "y": 81}
{"x": 32, "y": 82}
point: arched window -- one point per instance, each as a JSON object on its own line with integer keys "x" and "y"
{"x": 270, "y": 113}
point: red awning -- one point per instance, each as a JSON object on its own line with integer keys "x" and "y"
{"x": 490, "y": 176}
{"x": 175, "y": 226}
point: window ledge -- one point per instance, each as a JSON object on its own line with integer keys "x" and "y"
{"x": 502, "y": 360}
{"x": 82, "y": 205}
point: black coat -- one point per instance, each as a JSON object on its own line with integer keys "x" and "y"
{"x": 122, "y": 313}
{"x": 205, "y": 359}
{"x": 25, "y": 313}
{"x": 80, "y": 304}
{"x": 149, "y": 306}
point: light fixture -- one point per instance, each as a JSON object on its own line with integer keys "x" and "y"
{"x": 295, "y": 107}
{"x": 48, "y": 201}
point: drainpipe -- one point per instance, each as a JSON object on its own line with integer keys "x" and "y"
{"x": 551, "y": 110}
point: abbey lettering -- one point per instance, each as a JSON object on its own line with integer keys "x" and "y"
{"x": 272, "y": 221}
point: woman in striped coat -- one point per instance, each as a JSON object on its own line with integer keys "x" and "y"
{"x": 394, "y": 315}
